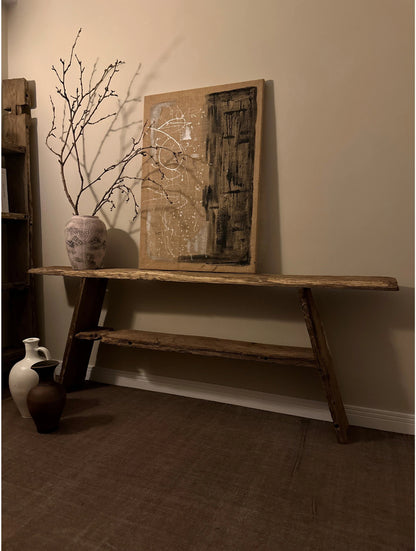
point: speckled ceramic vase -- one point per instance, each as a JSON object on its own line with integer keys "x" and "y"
{"x": 46, "y": 401}
{"x": 85, "y": 239}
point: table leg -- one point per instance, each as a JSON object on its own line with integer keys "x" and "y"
{"x": 324, "y": 363}
{"x": 85, "y": 317}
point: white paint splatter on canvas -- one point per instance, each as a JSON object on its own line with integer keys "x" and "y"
{"x": 180, "y": 228}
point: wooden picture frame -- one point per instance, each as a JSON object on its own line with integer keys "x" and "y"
{"x": 201, "y": 178}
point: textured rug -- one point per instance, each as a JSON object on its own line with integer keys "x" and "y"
{"x": 131, "y": 470}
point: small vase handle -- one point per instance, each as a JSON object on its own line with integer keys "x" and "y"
{"x": 44, "y": 351}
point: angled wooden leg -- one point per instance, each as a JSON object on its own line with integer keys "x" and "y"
{"x": 85, "y": 317}
{"x": 325, "y": 365}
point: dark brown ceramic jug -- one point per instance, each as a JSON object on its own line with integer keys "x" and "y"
{"x": 46, "y": 400}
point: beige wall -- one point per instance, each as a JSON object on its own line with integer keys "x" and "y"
{"x": 337, "y": 176}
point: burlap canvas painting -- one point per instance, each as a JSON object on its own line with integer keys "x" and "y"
{"x": 201, "y": 178}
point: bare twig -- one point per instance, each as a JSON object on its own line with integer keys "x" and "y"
{"x": 82, "y": 109}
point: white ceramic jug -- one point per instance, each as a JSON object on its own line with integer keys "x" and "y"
{"x": 21, "y": 378}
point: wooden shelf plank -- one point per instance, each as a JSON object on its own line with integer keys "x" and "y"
{"x": 14, "y": 216}
{"x": 15, "y": 285}
{"x": 9, "y": 148}
{"x": 373, "y": 283}
{"x": 204, "y": 346}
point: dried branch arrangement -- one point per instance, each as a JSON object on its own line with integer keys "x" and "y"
{"x": 84, "y": 100}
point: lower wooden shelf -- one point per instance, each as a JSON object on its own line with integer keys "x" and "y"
{"x": 204, "y": 346}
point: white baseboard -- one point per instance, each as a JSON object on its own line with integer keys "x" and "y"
{"x": 391, "y": 421}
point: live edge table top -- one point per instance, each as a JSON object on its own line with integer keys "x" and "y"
{"x": 371, "y": 283}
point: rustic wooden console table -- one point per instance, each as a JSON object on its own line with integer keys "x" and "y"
{"x": 84, "y": 331}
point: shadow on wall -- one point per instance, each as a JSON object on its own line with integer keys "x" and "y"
{"x": 269, "y": 258}
{"x": 360, "y": 326}
{"x": 122, "y": 250}
{"x": 215, "y": 306}
{"x": 126, "y": 298}
{"x": 207, "y": 310}
{"x": 127, "y": 126}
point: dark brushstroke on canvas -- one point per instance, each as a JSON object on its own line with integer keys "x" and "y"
{"x": 228, "y": 198}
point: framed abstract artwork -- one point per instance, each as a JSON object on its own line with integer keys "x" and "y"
{"x": 200, "y": 183}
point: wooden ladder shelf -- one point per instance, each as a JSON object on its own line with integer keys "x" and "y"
{"x": 84, "y": 331}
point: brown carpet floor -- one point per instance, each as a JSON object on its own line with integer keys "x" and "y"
{"x": 131, "y": 470}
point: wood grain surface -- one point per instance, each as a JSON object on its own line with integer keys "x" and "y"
{"x": 86, "y": 315}
{"x": 325, "y": 365}
{"x": 204, "y": 346}
{"x": 371, "y": 283}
